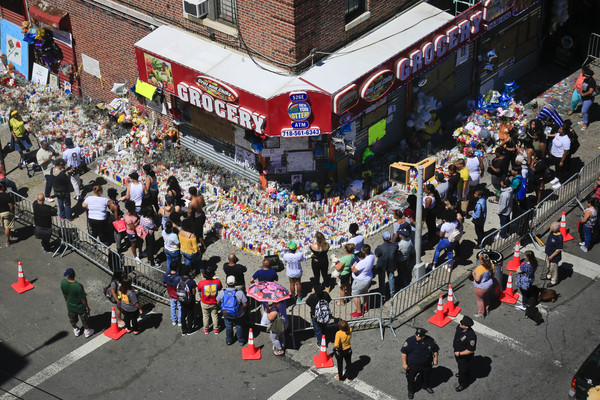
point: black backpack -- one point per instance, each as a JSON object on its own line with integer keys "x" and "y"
{"x": 574, "y": 141}
{"x": 184, "y": 294}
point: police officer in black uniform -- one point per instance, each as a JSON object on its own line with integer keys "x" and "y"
{"x": 419, "y": 352}
{"x": 465, "y": 342}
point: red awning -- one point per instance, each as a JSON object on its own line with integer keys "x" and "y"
{"x": 49, "y": 15}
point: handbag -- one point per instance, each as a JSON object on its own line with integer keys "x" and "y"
{"x": 277, "y": 325}
{"x": 120, "y": 225}
{"x": 140, "y": 232}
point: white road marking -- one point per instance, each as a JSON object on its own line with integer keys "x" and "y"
{"x": 369, "y": 391}
{"x": 580, "y": 265}
{"x": 294, "y": 386}
{"x": 55, "y": 368}
{"x": 499, "y": 337}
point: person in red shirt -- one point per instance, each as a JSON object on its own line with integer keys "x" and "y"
{"x": 209, "y": 288}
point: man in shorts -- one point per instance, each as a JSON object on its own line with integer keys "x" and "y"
{"x": 7, "y": 212}
{"x": 293, "y": 269}
{"x": 362, "y": 273}
{"x": 77, "y": 304}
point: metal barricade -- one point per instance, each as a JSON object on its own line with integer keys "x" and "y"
{"x": 593, "y": 52}
{"x": 555, "y": 202}
{"x": 588, "y": 175}
{"x": 514, "y": 230}
{"x": 24, "y": 214}
{"x": 84, "y": 244}
{"x": 417, "y": 291}
{"x": 301, "y": 320}
{"x": 145, "y": 277}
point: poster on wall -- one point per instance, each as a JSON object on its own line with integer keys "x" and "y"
{"x": 462, "y": 54}
{"x": 244, "y": 157}
{"x": 16, "y": 50}
{"x": 39, "y": 75}
{"x": 159, "y": 73}
{"x": 91, "y": 65}
{"x": 53, "y": 81}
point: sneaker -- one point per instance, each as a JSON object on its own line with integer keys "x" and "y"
{"x": 174, "y": 323}
{"x": 179, "y": 323}
{"x": 520, "y": 307}
{"x": 88, "y": 332}
{"x": 77, "y": 198}
{"x": 478, "y": 316}
{"x": 582, "y": 243}
{"x": 584, "y": 249}
{"x": 356, "y": 315}
{"x": 138, "y": 259}
{"x": 190, "y": 333}
{"x": 298, "y": 299}
{"x": 77, "y": 331}
{"x": 216, "y": 331}
{"x": 49, "y": 199}
{"x": 206, "y": 331}
{"x": 554, "y": 181}
{"x": 556, "y": 186}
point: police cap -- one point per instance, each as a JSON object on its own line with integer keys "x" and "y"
{"x": 421, "y": 332}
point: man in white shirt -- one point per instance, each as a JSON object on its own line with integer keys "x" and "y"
{"x": 74, "y": 160}
{"x": 45, "y": 157}
{"x": 561, "y": 144}
{"x": 362, "y": 273}
{"x": 356, "y": 238}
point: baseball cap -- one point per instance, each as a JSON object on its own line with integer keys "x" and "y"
{"x": 403, "y": 233}
{"x": 292, "y": 246}
{"x": 386, "y": 235}
{"x": 69, "y": 142}
{"x": 466, "y": 321}
{"x": 421, "y": 332}
{"x": 69, "y": 272}
{"x": 231, "y": 280}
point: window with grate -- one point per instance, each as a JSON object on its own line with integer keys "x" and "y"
{"x": 226, "y": 10}
{"x": 354, "y": 8}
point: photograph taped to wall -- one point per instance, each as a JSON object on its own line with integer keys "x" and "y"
{"x": 53, "y": 81}
{"x": 39, "y": 74}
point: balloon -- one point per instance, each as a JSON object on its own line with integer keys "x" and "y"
{"x": 410, "y": 123}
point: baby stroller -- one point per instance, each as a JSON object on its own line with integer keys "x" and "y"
{"x": 29, "y": 162}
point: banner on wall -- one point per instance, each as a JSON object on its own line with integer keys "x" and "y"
{"x": 16, "y": 50}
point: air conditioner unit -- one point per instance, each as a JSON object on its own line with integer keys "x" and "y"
{"x": 196, "y": 8}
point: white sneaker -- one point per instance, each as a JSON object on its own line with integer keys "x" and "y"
{"x": 174, "y": 323}
{"x": 582, "y": 243}
{"x": 138, "y": 259}
{"x": 88, "y": 332}
{"x": 556, "y": 186}
{"x": 49, "y": 199}
{"x": 77, "y": 331}
{"x": 553, "y": 181}
{"x": 520, "y": 307}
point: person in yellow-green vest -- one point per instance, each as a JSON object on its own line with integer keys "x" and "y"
{"x": 19, "y": 135}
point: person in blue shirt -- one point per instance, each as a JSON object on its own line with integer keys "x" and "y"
{"x": 266, "y": 274}
{"x": 479, "y": 214}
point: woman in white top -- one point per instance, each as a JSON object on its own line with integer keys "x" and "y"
{"x": 135, "y": 191}
{"x": 97, "y": 213}
{"x": 475, "y": 167}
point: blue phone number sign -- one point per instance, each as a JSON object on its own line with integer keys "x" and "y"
{"x": 300, "y": 132}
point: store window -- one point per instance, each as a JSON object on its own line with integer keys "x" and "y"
{"x": 354, "y": 8}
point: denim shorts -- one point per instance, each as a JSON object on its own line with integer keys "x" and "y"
{"x": 132, "y": 237}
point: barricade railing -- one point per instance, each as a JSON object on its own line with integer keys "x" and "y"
{"x": 555, "y": 202}
{"x": 419, "y": 290}
{"x": 24, "y": 213}
{"x": 508, "y": 234}
{"x": 588, "y": 175}
{"x": 341, "y": 308}
{"x": 145, "y": 276}
{"x": 593, "y": 52}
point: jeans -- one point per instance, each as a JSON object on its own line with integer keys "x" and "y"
{"x": 278, "y": 339}
{"x": 24, "y": 143}
{"x": 193, "y": 260}
{"x": 175, "y": 308}
{"x": 48, "y": 187}
{"x": 444, "y": 244}
{"x": 64, "y": 205}
{"x": 575, "y": 99}
{"x": 503, "y": 221}
{"x": 585, "y": 108}
{"x": 229, "y": 323}
{"x": 9, "y": 184}
{"x": 587, "y": 234}
{"x": 187, "y": 317}
{"x": 172, "y": 256}
{"x": 320, "y": 330}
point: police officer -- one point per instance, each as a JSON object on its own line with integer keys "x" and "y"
{"x": 465, "y": 342}
{"x": 419, "y": 352}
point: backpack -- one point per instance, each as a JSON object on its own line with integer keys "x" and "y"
{"x": 108, "y": 294}
{"x": 522, "y": 189}
{"x": 455, "y": 235}
{"x": 184, "y": 294}
{"x": 230, "y": 305}
{"x": 322, "y": 312}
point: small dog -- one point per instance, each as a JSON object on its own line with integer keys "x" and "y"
{"x": 534, "y": 314}
{"x": 547, "y": 295}
{"x": 334, "y": 261}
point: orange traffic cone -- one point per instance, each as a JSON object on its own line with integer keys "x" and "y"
{"x": 114, "y": 332}
{"x": 449, "y": 308}
{"x": 439, "y": 318}
{"x": 22, "y": 284}
{"x": 516, "y": 260}
{"x": 508, "y": 296}
{"x": 323, "y": 360}
{"x": 251, "y": 352}
{"x": 563, "y": 228}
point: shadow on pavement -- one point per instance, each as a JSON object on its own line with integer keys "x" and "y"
{"x": 439, "y": 375}
{"x": 358, "y": 366}
{"x": 480, "y": 368}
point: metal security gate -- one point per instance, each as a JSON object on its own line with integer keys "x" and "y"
{"x": 216, "y": 151}
{"x": 463, "y": 76}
